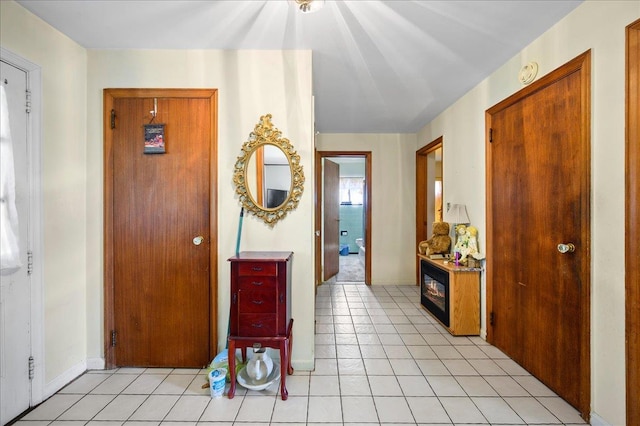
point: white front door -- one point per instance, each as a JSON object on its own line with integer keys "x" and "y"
{"x": 15, "y": 288}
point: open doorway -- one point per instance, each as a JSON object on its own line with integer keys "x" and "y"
{"x": 343, "y": 217}
{"x": 429, "y": 192}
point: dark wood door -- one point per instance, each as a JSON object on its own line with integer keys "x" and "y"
{"x": 538, "y": 197}
{"x": 162, "y": 301}
{"x": 331, "y": 218}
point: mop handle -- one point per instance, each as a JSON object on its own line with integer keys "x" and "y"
{"x": 239, "y": 231}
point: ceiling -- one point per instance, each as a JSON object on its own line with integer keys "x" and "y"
{"x": 378, "y": 66}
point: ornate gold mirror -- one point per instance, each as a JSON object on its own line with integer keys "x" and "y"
{"x": 268, "y": 175}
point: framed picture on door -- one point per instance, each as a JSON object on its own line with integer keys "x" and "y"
{"x": 154, "y": 142}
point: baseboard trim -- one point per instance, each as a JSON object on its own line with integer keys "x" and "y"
{"x": 596, "y": 420}
{"x": 303, "y": 365}
{"x": 95, "y": 364}
{"x": 64, "y": 379}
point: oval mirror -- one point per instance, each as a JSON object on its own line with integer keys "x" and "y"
{"x": 268, "y": 176}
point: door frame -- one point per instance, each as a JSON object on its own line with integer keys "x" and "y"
{"x": 109, "y": 96}
{"x": 319, "y": 156}
{"x": 422, "y": 228}
{"x": 632, "y": 204}
{"x": 34, "y": 155}
{"x": 581, "y": 63}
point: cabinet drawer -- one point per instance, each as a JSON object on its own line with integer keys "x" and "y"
{"x": 257, "y": 268}
{"x": 257, "y": 300}
{"x": 257, "y": 325}
{"x": 257, "y": 282}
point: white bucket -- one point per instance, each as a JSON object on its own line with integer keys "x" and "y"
{"x": 217, "y": 382}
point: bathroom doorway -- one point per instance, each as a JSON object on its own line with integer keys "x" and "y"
{"x": 352, "y": 215}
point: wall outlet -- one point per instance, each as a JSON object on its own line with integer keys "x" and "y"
{"x": 344, "y": 233}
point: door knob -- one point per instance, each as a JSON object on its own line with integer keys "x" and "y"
{"x": 198, "y": 240}
{"x": 566, "y": 248}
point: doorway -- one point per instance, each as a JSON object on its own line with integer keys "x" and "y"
{"x": 160, "y": 227}
{"x": 21, "y": 285}
{"x": 632, "y": 200}
{"x": 343, "y": 225}
{"x": 429, "y": 192}
{"x": 538, "y": 185}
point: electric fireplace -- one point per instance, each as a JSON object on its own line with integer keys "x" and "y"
{"x": 434, "y": 291}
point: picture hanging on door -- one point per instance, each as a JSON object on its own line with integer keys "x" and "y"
{"x": 154, "y": 142}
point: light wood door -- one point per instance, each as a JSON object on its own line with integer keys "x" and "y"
{"x": 538, "y": 197}
{"x": 331, "y": 218}
{"x": 162, "y": 204}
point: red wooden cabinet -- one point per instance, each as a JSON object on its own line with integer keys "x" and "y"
{"x": 261, "y": 308}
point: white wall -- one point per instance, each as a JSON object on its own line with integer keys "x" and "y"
{"x": 64, "y": 181}
{"x": 250, "y": 84}
{"x": 393, "y": 211}
{"x": 599, "y": 26}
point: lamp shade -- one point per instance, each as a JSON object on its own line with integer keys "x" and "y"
{"x": 457, "y": 214}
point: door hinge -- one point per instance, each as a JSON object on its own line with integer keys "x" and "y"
{"x": 29, "y": 262}
{"x": 28, "y": 101}
{"x": 490, "y": 135}
{"x": 32, "y": 367}
{"x": 491, "y": 318}
{"x": 113, "y": 338}
{"x": 113, "y": 118}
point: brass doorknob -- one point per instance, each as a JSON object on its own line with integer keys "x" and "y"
{"x": 566, "y": 248}
{"x": 198, "y": 240}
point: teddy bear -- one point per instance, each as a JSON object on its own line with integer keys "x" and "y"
{"x": 439, "y": 243}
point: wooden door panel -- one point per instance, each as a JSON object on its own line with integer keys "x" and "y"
{"x": 632, "y": 221}
{"x": 538, "y": 197}
{"x": 331, "y": 218}
{"x": 160, "y": 203}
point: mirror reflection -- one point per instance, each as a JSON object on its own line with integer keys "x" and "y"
{"x": 269, "y": 176}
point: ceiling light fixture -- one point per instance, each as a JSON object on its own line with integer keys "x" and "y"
{"x": 309, "y": 6}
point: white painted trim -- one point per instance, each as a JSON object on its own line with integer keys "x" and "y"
{"x": 34, "y": 142}
{"x": 64, "y": 379}
{"x": 596, "y": 420}
{"x": 96, "y": 364}
{"x": 303, "y": 365}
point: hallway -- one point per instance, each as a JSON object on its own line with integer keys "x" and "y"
{"x": 380, "y": 359}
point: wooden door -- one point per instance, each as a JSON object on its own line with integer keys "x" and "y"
{"x": 632, "y": 209}
{"x": 331, "y": 218}
{"x": 538, "y": 162}
{"x": 163, "y": 286}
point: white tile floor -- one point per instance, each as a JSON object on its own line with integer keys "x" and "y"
{"x": 380, "y": 359}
